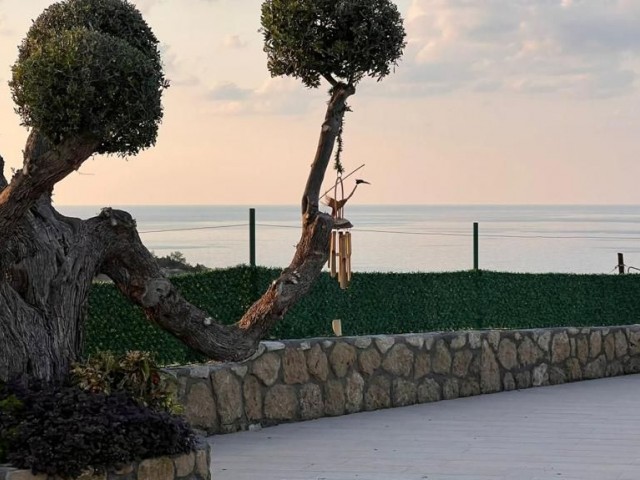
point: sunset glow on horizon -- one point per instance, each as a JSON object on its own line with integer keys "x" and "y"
{"x": 496, "y": 102}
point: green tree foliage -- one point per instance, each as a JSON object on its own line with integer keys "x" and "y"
{"x": 91, "y": 69}
{"x": 342, "y": 39}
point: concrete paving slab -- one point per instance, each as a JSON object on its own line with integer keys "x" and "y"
{"x": 579, "y": 431}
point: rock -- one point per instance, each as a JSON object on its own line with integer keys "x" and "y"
{"x": 528, "y": 352}
{"x": 304, "y": 346}
{"x": 560, "y": 347}
{"x": 632, "y": 365}
{"x": 543, "y": 340}
{"x": 621, "y": 344}
{"x": 429, "y": 391}
{"x": 199, "y": 371}
{"x": 415, "y": 340}
{"x": 614, "y": 369}
{"x": 334, "y": 403}
{"x": 450, "y": 389}
{"x": 421, "y": 365}
{"x": 595, "y": 344}
{"x": 596, "y": 368}
{"x": 273, "y": 346}
{"x": 429, "y": 340}
{"x": 556, "y": 375}
{"x": 160, "y": 468}
{"x": 280, "y": 403}
{"x": 573, "y": 369}
{"x": 493, "y": 337}
{"x": 378, "y": 393}
{"x": 475, "y": 340}
{"x": 267, "y": 368}
{"x": 252, "y": 398}
{"x": 633, "y": 334}
{"x": 582, "y": 349}
{"x": 342, "y": 357}
{"x": 489, "y": 370}
{"x": 459, "y": 341}
{"x": 327, "y": 344}
{"x": 609, "y": 346}
{"x": 354, "y": 392}
{"x": 469, "y": 387}
{"x": 508, "y": 382}
{"x": 317, "y": 363}
{"x": 384, "y": 343}
{"x": 203, "y": 464}
{"x": 239, "y": 370}
{"x": 523, "y": 379}
{"x": 369, "y": 361}
{"x": 398, "y": 361}
{"x": 461, "y": 362}
{"x": 541, "y": 375}
{"x": 311, "y": 403}
{"x": 226, "y": 386}
{"x": 442, "y": 359}
{"x": 184, "y": 464}
{"x": 507, "y": 354}
{"x": 200, "y": 409}
{"x": 404, "y": 392}
{"x": 362, "y": 342}
{"x": 294, "y": 366}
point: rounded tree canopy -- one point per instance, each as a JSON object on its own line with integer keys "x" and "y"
{"x": 91, "y": 69}
{"x": 343, "y": 39}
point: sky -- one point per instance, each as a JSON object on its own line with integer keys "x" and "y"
{"x": 493, "y": 102}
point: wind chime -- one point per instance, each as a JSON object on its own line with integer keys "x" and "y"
{"x": 340, "y": 246}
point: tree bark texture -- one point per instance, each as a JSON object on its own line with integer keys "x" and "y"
{"x": 48, "y": 263}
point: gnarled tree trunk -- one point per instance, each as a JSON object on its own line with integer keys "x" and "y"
{"x": 48, "y": 262}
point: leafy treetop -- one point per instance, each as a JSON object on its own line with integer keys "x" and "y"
{"x": 334, "y": 39}
{"x": 91, "y": 69}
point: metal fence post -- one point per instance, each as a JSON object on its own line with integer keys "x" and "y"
{"x": 475, "y": 246}
{"x": 252, "y": 237}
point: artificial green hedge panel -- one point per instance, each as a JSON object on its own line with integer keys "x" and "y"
{"x": 376, "y": 303}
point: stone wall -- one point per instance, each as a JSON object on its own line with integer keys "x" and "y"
{"x": 192, "y": 466}
{"x": 302, "y": 380}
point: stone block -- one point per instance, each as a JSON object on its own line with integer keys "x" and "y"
{"x": 294, "y": 366}
{"x": 369, "y": 361}
{"x": 398, "y": 360}
{"x": 560, "y": 347}
{"x": 156, "y": 469}
{"x": 404, "y": 392}
{"x": 508, "y": 382}
{"x": 493, "y": 338}
{"x": 203, "y": 464}
{"x": 609, "y": 346}
{"x": 184, "y": 464}
{"x": 267, "y": 368}
{"x": 528, "y": 352}
{"x": 450, "y": 389}
{"x": 556, "y": 375}
{"x": 384, "y": 343}
{"x": 469, "y": 387}
{"x": 354, "y": 392}
{"x": 540, "y": 375}
{"x": 429, "y": 391}
{"x": 461, "y": 362}
{"x": 200, "y": 407}
{"x": 582, "y": 349}
{"x": 378, "y": 393}
{"x": 595, "y": 344}
{"x": 543, "y": 339}
{"x": 523, "y": 379}
{"x": 573, "y": 369}
{"x": 226, "y": 387}
{"x": 622, "y": 346}
{"x": 475, "y": 340}
{"x": 421, "y": 365}
{"x": 252, "y": 392}
{"x": 508, "y": 354}
{"x": 459, "y": 341}
{"x": 334, "y": 400}
{"x": 311, "y": 402}
{"x": 342, "y": 358}
{"x": 317, "y": 363}
{"x": 415, "y": 340}
{"x": 490, "y": 380}
{"x": 362, "y": 342}
{"x": 596, "y": 368}
{"x": 280, "y": 403}
{"x": 633, "y": 334}
{"x": 441, "y": 358}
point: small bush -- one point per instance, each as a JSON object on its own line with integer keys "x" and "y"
{"x": 135, "y": 373}
{"x": 64, "y": 430}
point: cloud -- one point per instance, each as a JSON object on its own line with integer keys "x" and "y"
{"x": 276, "y": 96}
{"x": 234, "y": 42}
{"x": 579, "y": 47}
{"x": 174, "y": 69}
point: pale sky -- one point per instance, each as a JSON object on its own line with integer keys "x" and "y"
{"x": 494, "y": 102}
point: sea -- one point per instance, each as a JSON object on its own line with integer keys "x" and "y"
{"x": 404, "y": 238}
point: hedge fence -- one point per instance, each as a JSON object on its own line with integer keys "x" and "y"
{"x": 376, "y": 303}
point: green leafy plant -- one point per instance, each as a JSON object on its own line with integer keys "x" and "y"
{"x": 134, "y": 372}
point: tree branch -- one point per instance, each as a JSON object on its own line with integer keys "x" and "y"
{"x": 330, "y": 79}
{"x": 44, "y": 166}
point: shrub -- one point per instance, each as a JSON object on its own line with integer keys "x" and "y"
{"x": 64, "y": 430}
{"x": 135, "y": 372}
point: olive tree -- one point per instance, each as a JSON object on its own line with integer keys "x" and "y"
{"x": 88, "y": 80}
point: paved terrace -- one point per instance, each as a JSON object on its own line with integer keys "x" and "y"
{"x": 578, "y": 431}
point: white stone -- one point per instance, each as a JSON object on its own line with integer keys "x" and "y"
{"x": 273, "y": 346}
{"x": 384, "y": 343}
{"x": 415, "y": 340}
{"x": 362, "y": 342}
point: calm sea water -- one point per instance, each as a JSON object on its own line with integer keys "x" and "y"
{"x": 573, "y": 239}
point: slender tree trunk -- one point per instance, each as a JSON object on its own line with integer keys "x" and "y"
{"x": 48, "y": 262}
